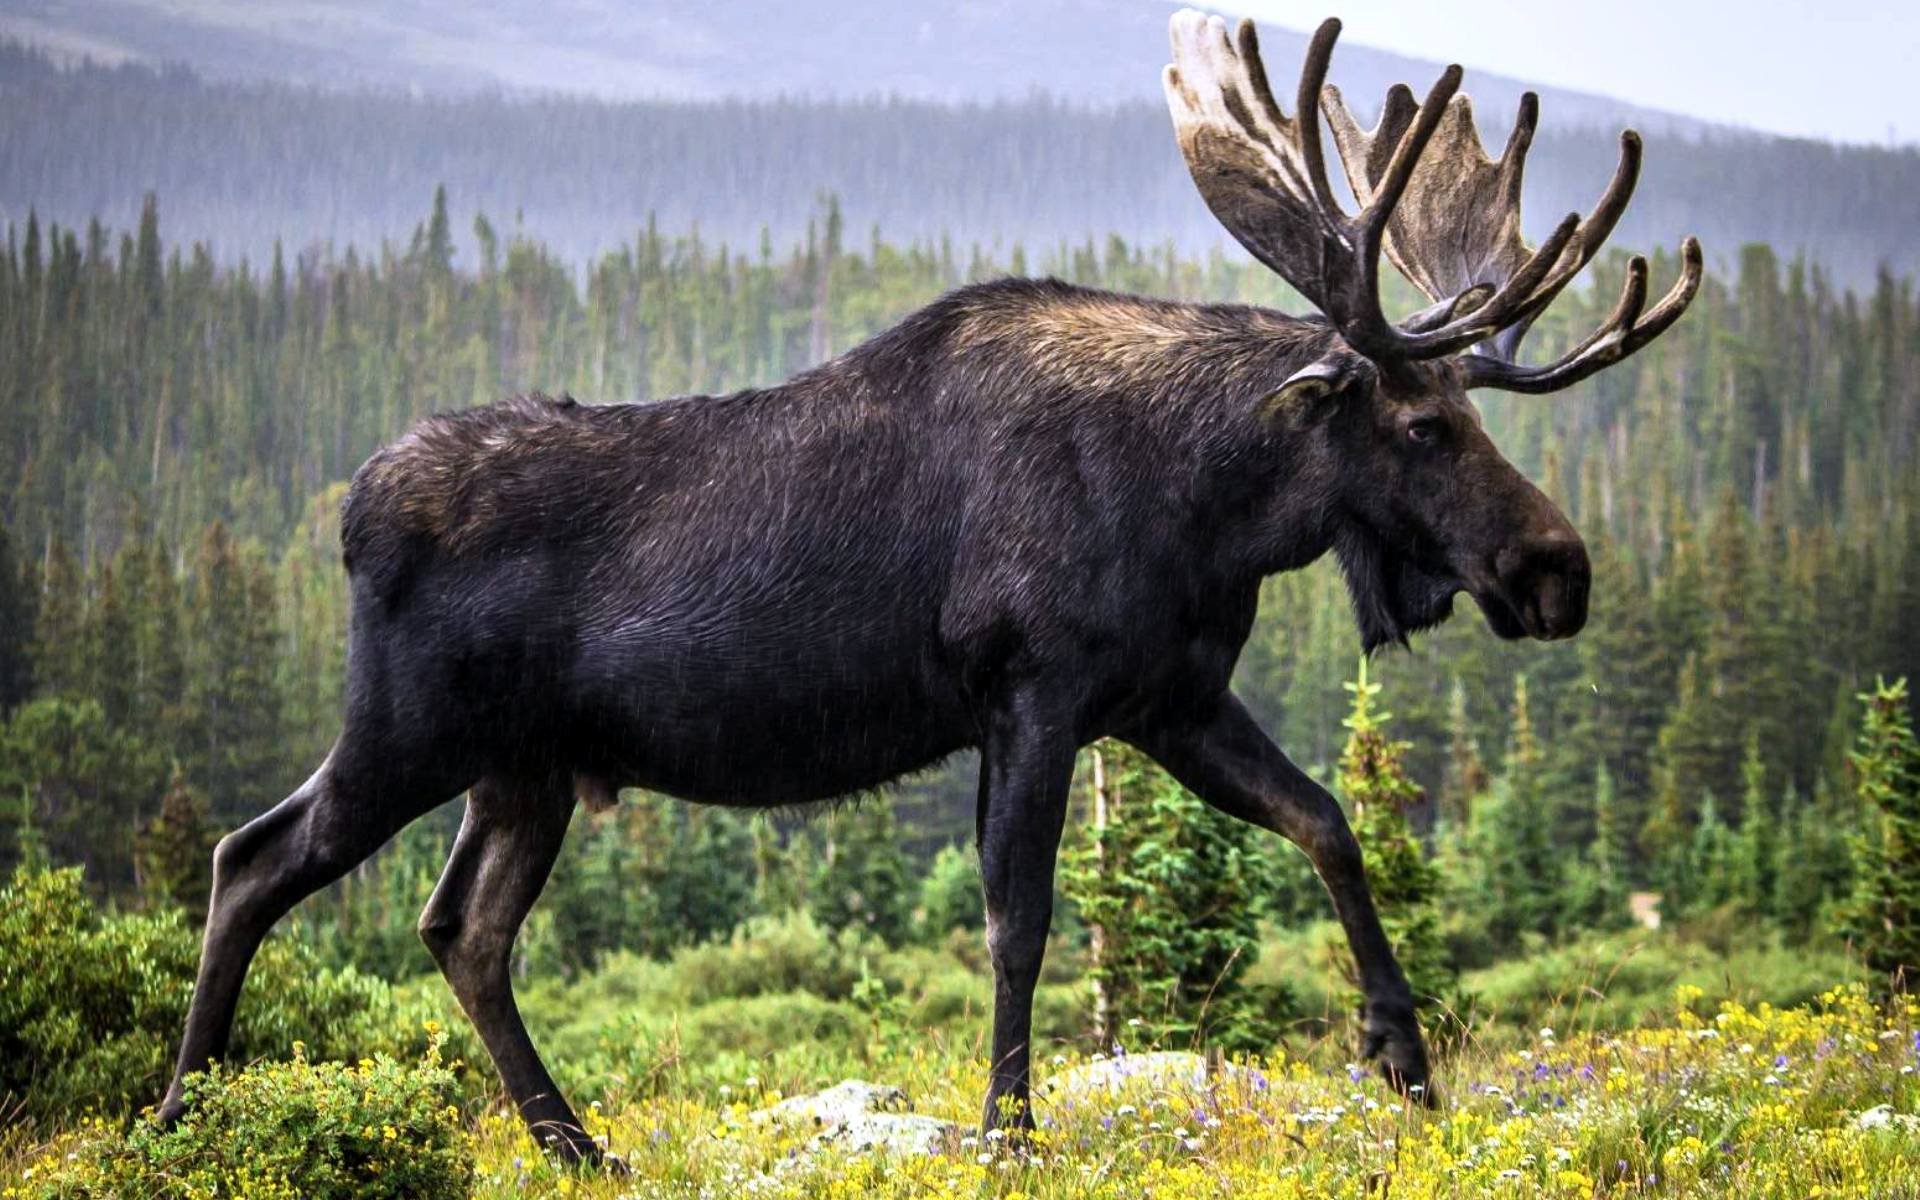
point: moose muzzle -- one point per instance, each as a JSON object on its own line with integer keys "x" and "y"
{"x": 1540, "y": 589}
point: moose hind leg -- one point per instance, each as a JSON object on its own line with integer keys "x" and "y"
{"x": 500, "y": 862}
{"x": 1025, "y": 774}
{"x": 329, "y": 825}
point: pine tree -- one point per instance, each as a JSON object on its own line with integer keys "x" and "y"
{"x": 1709, "y": 881}
{"x": 1164, "y": 885}
{"x": 17, "y": 614}
{"x": 62, "y": 661}
{"x": 1406, "y": 887}
{"x": 1515, "y": 864}
{"x": 950, "y": 894}
{"x": 1597, "y": 890}
{"x": 1683, "y": 763}
{"x": 85, "y": 783}
{"x": 862, "y": 875}
{"x": 232, "y": 712}
{"x": 782, "y": 869}
{"x": 176, "y": 851}
{"x": 1756, "y": 865}
{"x": 1466, "y": 776}
{"x": 1883, "y": 916}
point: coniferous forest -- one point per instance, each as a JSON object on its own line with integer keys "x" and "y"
{"x": 1725, "y": 745}
{"x": 177, "y": 435}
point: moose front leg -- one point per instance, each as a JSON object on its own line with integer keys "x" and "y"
{"x": 1222, "y": 756}
{"x": 1026, "y": 770}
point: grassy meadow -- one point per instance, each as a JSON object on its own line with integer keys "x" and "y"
{"x": 1642, "y": 1062}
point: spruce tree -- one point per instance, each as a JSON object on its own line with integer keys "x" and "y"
{"x": 175, "y": 851}
{"x": 950, "y": 894}
{"x": 1709, "y": 881}
{"x": 862, "y": 879}
{"x": 1683, "y": 763}
{"x": 1406, "y": 887}
{"x": 62, "y": 663}
{"x": 17, "y": 611}
{"x": 1466, "y": 776}
{"x": 1883, "y": 915}
{"x": 1164, "y": 886}
{"x": 1756, "y": 838}
{"x": 1597, "y": 891}
{"x": 232, "y": 711}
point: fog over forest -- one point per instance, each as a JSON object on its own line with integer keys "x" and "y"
{"x": 243, "y": 164}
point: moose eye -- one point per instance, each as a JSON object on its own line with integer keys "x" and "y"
{"x": 1424, "y": 431}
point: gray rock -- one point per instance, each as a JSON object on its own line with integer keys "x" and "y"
{"x": 1128, "y": 1073}
{"x": 895, "y": 1133}
{"x": 857, "y": 1115}
{"x": 836, "y": 1106}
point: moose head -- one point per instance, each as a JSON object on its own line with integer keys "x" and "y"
{"x": 1429, "y": 507}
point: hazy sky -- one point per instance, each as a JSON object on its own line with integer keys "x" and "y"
{"x": 1844, "y": 69}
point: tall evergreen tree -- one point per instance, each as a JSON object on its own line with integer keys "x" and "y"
{"x": 17, "y": 614}
{"x": 1883, "y": 916}
{"x": 1515, "y": 862}
{"x": 1164, "y": 886}
{"x": 175, "y": 851}
{"x": 1466, "y": 777}
{"x": 232, "y": 719}
{"x": 1756, "y": 844}
{"x": 62, "y": 657}
{"x": 862, "y": 879}
{"x": 1406, "y": 887}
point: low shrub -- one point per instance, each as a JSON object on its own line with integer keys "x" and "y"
{"x": 294, "y": 1130}
{"x": 91, "y": 1002}
{"x": 792, "y": 952}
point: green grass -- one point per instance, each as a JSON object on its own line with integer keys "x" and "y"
{"x": 1678, "y": 1069}
{"x": 1736, "y": 1101}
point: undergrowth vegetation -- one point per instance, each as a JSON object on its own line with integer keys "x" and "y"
{"x": 1751, "y": 1078}
{"x": 1734, "y": 1100}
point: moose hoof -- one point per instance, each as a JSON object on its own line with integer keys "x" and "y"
{"x": 1392, "y": 1039}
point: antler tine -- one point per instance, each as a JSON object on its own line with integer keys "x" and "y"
{"x": 1513, "y": 298}
{"x": 1593, "y": 234}
{"x": 1313, "y": 77}
{"x": 1620, "y": 335}
{"x": 1428, "y": 195}
{"x": 1366, "y": 327}
{"x": 1547, "y": 271}
{"x": 1406, "y": 154}
{"x": 1513, "y": 160}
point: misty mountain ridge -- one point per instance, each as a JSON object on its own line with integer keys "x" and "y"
{"x": 243, "y": 164}
{"x": 1092, "y": 52}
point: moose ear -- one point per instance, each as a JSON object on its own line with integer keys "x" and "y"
{"x": 1304, "y": 396}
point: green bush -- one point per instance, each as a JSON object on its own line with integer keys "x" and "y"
{"x": 91, "y": 1002}
{"x": 1619, "y": 980}
{"x": 788, "y": 953}
{"x": 282, "y": 1131}
{"x": 950, "y": 895}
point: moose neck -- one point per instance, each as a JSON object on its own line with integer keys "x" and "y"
{"x": 1194, "y": 382}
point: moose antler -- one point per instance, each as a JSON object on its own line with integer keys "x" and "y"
{"x": 1446, "y": 214}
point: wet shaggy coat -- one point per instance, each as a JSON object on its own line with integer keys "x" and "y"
{"x": 791, "y": 593}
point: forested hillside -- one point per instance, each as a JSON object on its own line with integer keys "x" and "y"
{"x": 175, "y": 436}
{"x": 243, "y": 165}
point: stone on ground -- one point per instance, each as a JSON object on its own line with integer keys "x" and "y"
{"x": 858, "y": 1115}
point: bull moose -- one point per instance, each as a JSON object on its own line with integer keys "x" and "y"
{"x": 1028, "y": 516}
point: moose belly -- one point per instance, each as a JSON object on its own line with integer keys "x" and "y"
{"x": 781, "y": 711}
